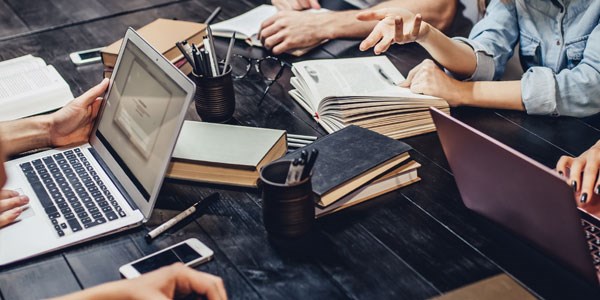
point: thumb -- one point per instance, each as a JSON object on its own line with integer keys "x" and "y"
{"x": 371, "y": 15}
{"x": 315, "y": 4}
{"x": 90, "y": 96}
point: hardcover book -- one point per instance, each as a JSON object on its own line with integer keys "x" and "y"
{"x": 224, "y": 154}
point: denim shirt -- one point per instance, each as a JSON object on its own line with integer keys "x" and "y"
{"x": 559, "y": 50}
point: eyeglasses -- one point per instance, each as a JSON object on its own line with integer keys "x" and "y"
{"x": 270, "y": 68}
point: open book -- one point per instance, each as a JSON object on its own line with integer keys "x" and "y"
{"x": 363, "y": 92}
{"x": 247, "y": 26}
{"x": 29, "y": 87}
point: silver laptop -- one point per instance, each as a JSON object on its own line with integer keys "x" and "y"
{"x": 111, "y": 183}
{"x": 520, "y": 194}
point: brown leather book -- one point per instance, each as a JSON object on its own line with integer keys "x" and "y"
{"x": 162, "y": 34}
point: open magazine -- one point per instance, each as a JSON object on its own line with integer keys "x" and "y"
{"x": 29, "y": 87}
{"x": 363, "y": 92}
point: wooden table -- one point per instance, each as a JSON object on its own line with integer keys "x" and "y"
{"x": 414, "y": 243}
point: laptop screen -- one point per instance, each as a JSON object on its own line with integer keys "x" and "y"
{"x": 140, "y": 117}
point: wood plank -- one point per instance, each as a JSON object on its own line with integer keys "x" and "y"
{"x": 43, "y": 277}
{"x": 98, "y": 261}
{"x": 11, "y": 23}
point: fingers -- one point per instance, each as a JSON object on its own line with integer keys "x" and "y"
{"x": 95, "y": 109}
{"x": 372, "y": 15}
{"x": 268, "y": 22}
{"x": 7, "y": 194}
{"x": 563, "y": 164}
{"x": 188, "y": 280}
{"x": 411, "y": 75}
{"x": 274, "y": 40}
{"x": 590, "y": 177}
{"x": 90, "y": 96}
{"x": 575, "y": 173}
{"x": 416, "y": 27}
{"x": 10, "y": 216}
{"x": 270, "y": 31}
{"x": 282, "y": 47}
{"x": 371, "y": 40}
{"x": 282, "y": 4}
{"x": 14, "y": 202}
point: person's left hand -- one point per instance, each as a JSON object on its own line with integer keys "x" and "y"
{"x": 72, "y": 124}
{"x": 289, "y": 30}
{"x": 11, "y": 205}
{"x": 428, "y": 79}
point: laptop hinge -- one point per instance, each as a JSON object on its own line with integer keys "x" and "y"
{"x": 113, "y": 178}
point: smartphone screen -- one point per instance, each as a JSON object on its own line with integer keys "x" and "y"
{"x": 182, "y": 253}
{"x": 88, "y": 55}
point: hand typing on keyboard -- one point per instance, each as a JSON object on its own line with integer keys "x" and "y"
{"x": 11, "y": 206}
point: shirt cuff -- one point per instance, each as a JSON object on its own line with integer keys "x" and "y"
{"x": 538, "y": 91}
{"x": 484, "y": 71}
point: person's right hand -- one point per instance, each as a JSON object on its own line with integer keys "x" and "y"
{"x": 396, "y": 25}
{"x": 176, "y": 280}
{"x": 11, "y": 206}
{"x": 296, "y": 4}
{"x": 581, "y": 173}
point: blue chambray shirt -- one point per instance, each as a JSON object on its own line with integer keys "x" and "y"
{"x": 559, "y": 49}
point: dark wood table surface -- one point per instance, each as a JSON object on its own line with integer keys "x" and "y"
{"x": 417, "y": 242}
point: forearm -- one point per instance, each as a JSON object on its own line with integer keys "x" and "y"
{"x": 111, "y": 290}
{"x": 25, "y": 134}
{"x": 489, "y": 94}
{"x": 457, "y": 57}
{"x": 343, "y": 24}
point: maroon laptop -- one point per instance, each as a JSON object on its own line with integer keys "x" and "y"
{"x": 520, "y": 194}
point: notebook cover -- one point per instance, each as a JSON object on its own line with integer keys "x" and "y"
{"x": 349, "y": 153}
{"x": 225, "y": 144}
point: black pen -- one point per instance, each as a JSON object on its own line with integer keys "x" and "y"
{"x": 310, "y": 164}
{"x": 184, "y": 52}
{"x": 228, "y": 55}
{"x": 196, "y": 65}
{"x": 212, "y": 16}
{"x": 181, "y": 216}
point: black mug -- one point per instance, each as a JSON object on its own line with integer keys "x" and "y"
{"x": 215, "y": 97}
{"x": 288, "y": 209}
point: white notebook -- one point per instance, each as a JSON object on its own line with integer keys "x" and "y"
{"x": 29, "y": 87}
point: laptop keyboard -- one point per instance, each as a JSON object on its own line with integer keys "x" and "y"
{"x": 592, "y": 234}
{"x": 71, "y": 192}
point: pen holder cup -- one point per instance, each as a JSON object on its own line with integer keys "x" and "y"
{"x": 288, "y": 209}
{"x": 214, "y": 97}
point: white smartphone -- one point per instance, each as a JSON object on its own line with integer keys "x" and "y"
{"x": 86, "y": 56}
{"x": 190, "y": 252}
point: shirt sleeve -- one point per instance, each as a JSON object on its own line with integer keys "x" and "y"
{"x": 493, "y": 40}
{"x": 572, "y": 92}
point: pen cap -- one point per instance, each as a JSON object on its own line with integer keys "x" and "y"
{"x": 288, "y": 209}
{"x": 215, "y": 97}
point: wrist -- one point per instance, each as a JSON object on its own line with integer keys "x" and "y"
{"x": 462, "y": 93}
{"x": 46, "y": 125}
{"x": 326, "y": 27}
{"x": 425, "y": 33}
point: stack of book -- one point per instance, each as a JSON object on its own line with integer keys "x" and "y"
{"x": 29, "y": 87}
{"x": 356, "y": 165}
{"x": 162, "y": 34}
{"x": 363, "y": 92}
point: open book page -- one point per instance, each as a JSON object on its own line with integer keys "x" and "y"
{"x": 359, "y": 78}
{"x": 20, "y": 64}
{"x": 248, "y": 24}
{"x": 31, "y": 92}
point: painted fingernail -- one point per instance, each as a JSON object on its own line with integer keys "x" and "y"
{"x": 597, "y": 191}
{"x": 574, "y": 185}
{"x": 583, "y": 198}
{"x": 23, "y": 199}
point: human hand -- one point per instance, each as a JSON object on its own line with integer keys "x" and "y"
{"x": 396, "y": 25}
{"x": 581, "y": 173}
{"x": 296, "y": 4}
{"x": 428, "y": 79}
{"x": 11, "y": 206}
{"x": 289, "y": 30}
{"x": 176, "y": 280}
{"x": 72, "y": 124}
